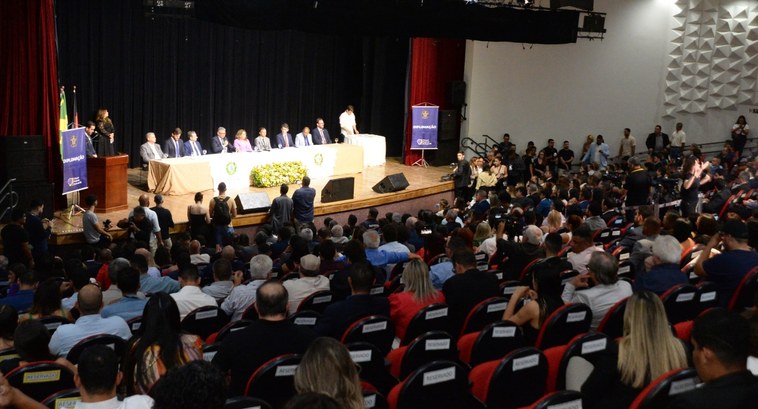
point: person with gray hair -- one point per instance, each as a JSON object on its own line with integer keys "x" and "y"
{"x": 665, "y": 272}
{"x": 113, "y": 293}
{"x": 219, "y": 143}
{"x": 602, "y": 270}
{"x": 337, "y": 235}
{"x": 243, "y": 295}
{"x": 379, "y": 258}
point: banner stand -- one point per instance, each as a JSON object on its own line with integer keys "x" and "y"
{"x": 424, "y": 130}
{"x": 422, "y": 161}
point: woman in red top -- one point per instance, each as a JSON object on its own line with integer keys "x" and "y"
{"x": 419, "y": 292}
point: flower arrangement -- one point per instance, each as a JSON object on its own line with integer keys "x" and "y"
{"x": 274, "y": 174}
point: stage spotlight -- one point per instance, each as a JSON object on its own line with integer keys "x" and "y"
{"x": 525, "y": 3}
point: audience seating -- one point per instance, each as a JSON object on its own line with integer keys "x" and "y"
{"x": 379, "y": 290}
{"x": 9, "y": 353}
{"x": 306, "y": 318}
{"x": 63, "y": 399}
{"x": 512, "y": 382}
{"x": 433, "y": 317}
{"x": 274, "y": 380}
{"x": 560, "y": 399}
{"x": 432, "y": 346}
{"x": 373, "y": 367}
{"x": 493, "y": 342}
{"x": 584, "y": 345}
{"x": 745, "y": 293}
{"x": 683, "y": 330}
{"x": 111, "y": 341}
{"x": 377, "y": 330}
{"x": 219, "y": 336}
{"x": 508, "y": 287}
{"x": 250, "y": 314}
{"x": 439, "y": 258}
{"x": 499, "y": 275}
{"x": 289, "y": 276}
{"x": 395, "y": 285}
{"x": 135, "y": 324}
{"x": 204, "y": 321}
{"x": 613, "y": 321}
{"x": 482, "y": 261}
{"x": 567, "y": 275}
{"x": 564, "y": 324}
{"x": 39, "y": 380}
{"x": 397, "y": 270}
{"x": 527, "y": 267}
{"x": 374, "y": 400}
{"x": 317, "y": 301}
{"x": 691, "y": 254}
{"x": 438, "y": 385}
{"x": 52, "y": 322}
{"x": 622, "y": 253}
{"x": 680, "y": 303}
{"x": 209, "y": 351}
{"x": 660, "y": 391}
{"x": 246, "y": 402}
{"x": 486, "y": 312}
{"x": 707, "y": 296}
{"x": 626, "y": 270}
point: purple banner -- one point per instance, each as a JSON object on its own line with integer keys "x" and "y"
{"x": 424, "y": 127}
{"x": 74, "y": 160}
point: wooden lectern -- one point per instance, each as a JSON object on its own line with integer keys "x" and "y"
{"x": 106, "y": 177}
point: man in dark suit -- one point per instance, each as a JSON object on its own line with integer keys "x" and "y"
{"x": 284, "y": 138}
{"x": 219, "y": 143}
{"x": 467, "y": 288}
{"x": 174, "y": 147}
{"x": 657, "y": 141}
{"x": 462, "y": 176}
{"x": 192, "y": 147}
{"x": 321, "y": 134}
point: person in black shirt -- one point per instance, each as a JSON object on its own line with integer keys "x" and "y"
{"x": 565, "y": 157}
{"x": 16, "y": 240}
{"x": 551, "y": 154}
{"x": 165, "y": 220}
{"x": 637, "y": 186}
{"x": 461, "y": 176}
{"x": 466, "y": 288}
{"x": 38, "y": 229}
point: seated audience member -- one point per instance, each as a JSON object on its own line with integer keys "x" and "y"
{"x": 643, "y": 248}
{"x": 8, "y": 323}
{"x": 647, "y": 350}
{"x": 330, "y": 260}
{"x": 338, "y": 235}
{"x": 161, "y": 346}
{"x": 594, "y": 218}
{"x": 309, "y": 282}
{"x": 380, "y": 258}
{"x": 720, "y": 341}
{"x": 243, "y": 351}
{"x": 97, "y": 376}
{"x": 243, "y": 295}
{"x": 728, "y": 268}
{"x": 79, "y": 278}
{"x": 31, "y": 342}
{"x": 543, "y": 298}
{"x": 442, "y": 271}
{"x": 327, "y": 368}
{"x": 551, "y": 263}
{"x": 222, "y": 280}
{"x": 371, "y": 222}
{"x": 113, "y": 293}
{"x": 149, "y": 284}
{"x": 418, "y": 293}
{"x": 582, "y": 248}
{"x": 607, "y": 289}
{"x": 634, "y": 233}
{"x": 129, "y": 305}
{"x": 47, "y": 302}
{"x": 197, "y": 385}
{"x": 338, "y": 316}
{"x": 190, "y": 297}
{"x": 682, "y": 231}
{"x": 90, "y": 322}
{"x": 197, "y": 257}
{"x": 354, "y": 253}
{"x": 665, "y": 272}
{"x": 467, "y": 288}
{"x": 23, "y": 299}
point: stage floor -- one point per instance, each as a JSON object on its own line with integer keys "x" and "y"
{"x": 423, "y": 191}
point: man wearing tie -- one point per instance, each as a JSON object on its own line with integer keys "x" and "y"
{"x": 150, "y": 150}
{"x": 192, "y": 147}
{"x": 174, "y": 147}
{"x": 89, "y": 130}
{"x": 261, "y": 141}
{"x": 284, "y": 139}
{"x": 219, "y": 143}
{"x": 304, "y": 138}
{"x": 321, "y": 135}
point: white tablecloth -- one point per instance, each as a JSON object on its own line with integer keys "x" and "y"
{"x": 374, "y": 148}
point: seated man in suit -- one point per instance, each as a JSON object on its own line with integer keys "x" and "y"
{"x": 150, "y": 150}
{"x": 284, "y": 139}
{"x": 261, "y": 141}
{"x": 192, "y": 147}
{"x": 321, "y": 134}
{"x": 174, "y": 147}
{"x": 304, "y": 138}
{"x": 219, "y": 143}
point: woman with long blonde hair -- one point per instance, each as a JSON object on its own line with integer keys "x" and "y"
{"x": 647, "y": 350}
{"x": 328, "y": 369}
{"x": 419, "y": 292}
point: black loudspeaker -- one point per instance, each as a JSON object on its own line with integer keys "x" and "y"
{"x": 457, "y": 93}
{"x": 448, "y": 129}
{"x": 26, "y": 192}
{"x": 447, "y": 141}
{"x": 252, "y": 202}
{"x": 23, "y": 158}
{"x": 391, "y": 183}
{"x": 338, "y": 189}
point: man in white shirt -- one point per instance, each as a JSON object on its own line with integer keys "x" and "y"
{"x": 309, "y": 282}
{"x": 304, "y": 138}
{"x": 582, "y": 248}
{"x": 348, "y": 123}
{"x": 243, "y": 296}
{"x": 602, "y": 270}
{"x": 678, "y": 139}
{"x": 96, "y": 377}
{"x": 190, "y": 297}
{"x": 222, "y": 278}
{"x": 155, "y": 236}
{"x": 150, "y": 150}
{"x": 628, "y": 145}
{"x": 197, "y": 256}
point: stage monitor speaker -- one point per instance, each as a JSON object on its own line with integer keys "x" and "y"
{"x": 26, "y": 192}
{"x": 252, "y": 202}
{"x": 338, "y": 189}
{"x": 22, "y": 158}
{"x": 391, "y": 183}
{"x": 457, "y": 93}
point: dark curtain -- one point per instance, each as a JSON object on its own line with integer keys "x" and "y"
{"x": 434, "y": 64}
{"x": 158, "y": 73}
{"x": 28, "y": 74}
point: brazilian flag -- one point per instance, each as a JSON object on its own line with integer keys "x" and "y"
{"x": 63, "y": 120}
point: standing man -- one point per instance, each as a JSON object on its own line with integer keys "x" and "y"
{"x": 678, "y": 140}
{"x": 89, "y": 130}
{"x": 505, "y": 147}
{"x": 284, "y": 138}
{"x": 461, "y": 176}
{"x": 94, "y": 234}
{"x": 302, "y": 202}
{"x": 165, "y": 219}
{"x": 174, "y": 147}
{"x": 598, "y": 153}
{"x": 16, "y": 240}
{"x": 150, "y": 150}
{"x": 262, "y": 143}
{"x": 657, "y": 142}
{"x": 192, "y": 147}
{"x": 628, "y": 145}
{"x": 551, "y": 154}
{"x": 38, "y": 229}
{"x": 155, "y": 236}
{"x": 321, "y": 135}
{"x": 221, "y": 210}
{"x": 348, "y": 123}
{"x": 565, "y": 157}
{"x": 304, "y": 138}
{"x": 637, "y": 187}
{"x": 281, "y": 208}
{"x": 219, "y": 143}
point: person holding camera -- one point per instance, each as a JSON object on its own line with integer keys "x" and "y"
{"x": 94, "y": 233}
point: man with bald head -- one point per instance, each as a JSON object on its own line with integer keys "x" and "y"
{"x": 150, "y": 150}
{"x": 155, "y": 236}
{"x": 89, "y": 304}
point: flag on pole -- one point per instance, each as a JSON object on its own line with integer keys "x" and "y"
{"x": 76, "y": 111}
{"x": 63, "y": 120}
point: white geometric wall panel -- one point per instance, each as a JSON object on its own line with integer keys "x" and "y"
{"x": 713, "y": 56}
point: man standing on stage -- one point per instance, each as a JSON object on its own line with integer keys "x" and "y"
{"x": 321, "y": 135}
{"x": 284, "y": 139}
{"x": 302, "y": 201}
{"x": 150, "y": 150}
{"x": 348, "y": 123}
{"x": 304, "y": 138}
{"x": 174, "y": 147}
{"x": 219, "y": 143}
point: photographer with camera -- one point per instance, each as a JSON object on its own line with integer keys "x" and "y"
{"x": 636, "y": 187}
{"x": 94, "y": 234}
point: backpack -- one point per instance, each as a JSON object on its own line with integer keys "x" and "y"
{"x": 221, "y": 214}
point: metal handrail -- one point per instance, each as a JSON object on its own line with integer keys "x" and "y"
{"x": 8, "y": 186}
{"x": 494, "y": 142}
{"x": 467, "y": 142}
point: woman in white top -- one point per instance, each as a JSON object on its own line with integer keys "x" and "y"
{"x": 740, "y": 132}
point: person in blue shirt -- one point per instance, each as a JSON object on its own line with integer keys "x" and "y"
{"x": 302, "y": 202}
{"x": 23, "y": 298}
{"x": 149, "y": 284}
{"x": 442, "y": 271}
{"x": 379, "y": 258}
{"x": 665, "y": 272}
{"x": 130, "y": 305}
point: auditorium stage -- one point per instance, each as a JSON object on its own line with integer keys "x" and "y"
{"x": 424, "y": 191}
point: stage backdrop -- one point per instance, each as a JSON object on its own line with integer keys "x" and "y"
{"x": 159, "y": 73}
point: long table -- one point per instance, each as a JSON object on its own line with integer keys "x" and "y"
{"x": 179, "y": 176}
{"x": 374, "y": 148}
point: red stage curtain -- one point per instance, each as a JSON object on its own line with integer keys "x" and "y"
{"x": 29, "y": 74}
{"x": 434, "y": 63}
